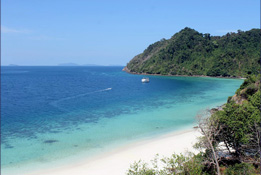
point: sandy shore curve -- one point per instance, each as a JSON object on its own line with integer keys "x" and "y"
{"x": 118, "y": 161}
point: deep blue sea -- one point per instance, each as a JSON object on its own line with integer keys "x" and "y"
{"x": 50, "y": 114}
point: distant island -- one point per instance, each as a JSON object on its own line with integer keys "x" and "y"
{"x": 191, "y": 53}
{"x": 74, "y": 64}
{"x": 68, "y": 64}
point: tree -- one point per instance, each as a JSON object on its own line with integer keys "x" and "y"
{"x": 210, "y": 130}
{"x": 240, "y": 125}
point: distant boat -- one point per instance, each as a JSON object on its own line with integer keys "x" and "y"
{"x": 145, "y": 80}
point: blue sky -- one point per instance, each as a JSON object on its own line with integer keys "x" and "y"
{"x": 109, "y": 32}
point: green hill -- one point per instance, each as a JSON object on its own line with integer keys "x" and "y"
{"x": 189, "y": 52}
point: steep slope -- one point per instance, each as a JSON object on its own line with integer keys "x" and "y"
{"x": 189, "y": 52}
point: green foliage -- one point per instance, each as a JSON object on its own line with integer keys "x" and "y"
{"x": 250, "y": 80}
{"x": 189, "y": 52}
{"x": 240, "y": 169}
{"x": 140, "y": 168}
{"x": 255, "y": 99}
{"x": 239, "y": 122}
{"x": 176, "y": 165}
{"x": 250, "y": 90}
{"x": 180, "y": 164}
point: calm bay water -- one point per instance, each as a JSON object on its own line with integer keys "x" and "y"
{"x": 52, "y": 113}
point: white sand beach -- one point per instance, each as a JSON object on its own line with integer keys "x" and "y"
{"x": 118, "y": 161}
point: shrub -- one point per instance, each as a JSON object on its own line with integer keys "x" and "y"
{"x": 251, "y": 89}
{"x": 176, "y": 164}
{"x": 140, "y": 168}
{"x": 240, "y": 169}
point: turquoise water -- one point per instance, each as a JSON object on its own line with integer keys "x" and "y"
{"x": 56, "y": 114}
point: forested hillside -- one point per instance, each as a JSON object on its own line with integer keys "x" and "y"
{"x": 189, "y": 52}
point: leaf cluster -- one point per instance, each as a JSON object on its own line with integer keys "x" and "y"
{"x": 240, "y": 122}
{"x": 177, "y": 164}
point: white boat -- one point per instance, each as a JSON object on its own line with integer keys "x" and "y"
{"x": 145, "y": 80}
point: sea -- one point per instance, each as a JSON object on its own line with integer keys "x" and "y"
{"x": 53, "y": 115}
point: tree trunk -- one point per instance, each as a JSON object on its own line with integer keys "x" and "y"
{"x": 214, "y": 155}
{"x": 212, "y": 149}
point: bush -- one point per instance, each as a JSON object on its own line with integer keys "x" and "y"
{"x": 250, "y": 80}
{"x": 176, "y": 164}
{"x": 140, "y": 168}
{"x": 251, "y": 89}
{"x": 240, "y": 169}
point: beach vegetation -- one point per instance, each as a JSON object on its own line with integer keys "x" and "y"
{"x": 140, "y": 168}
{"x": 176, "y": 164}
{"x": 240, "y": 169}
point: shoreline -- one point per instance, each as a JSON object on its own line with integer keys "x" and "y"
{"x": 146, "y": 149}
{"x": 123, "y": 157}
{"x": 125, "y": 69}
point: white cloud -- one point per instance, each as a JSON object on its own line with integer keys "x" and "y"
{"x": 10, "y": 30}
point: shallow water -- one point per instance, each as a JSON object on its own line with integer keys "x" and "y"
{"x": 54, "y": 113}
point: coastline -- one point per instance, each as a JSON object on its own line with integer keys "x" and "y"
{"x": 125, "y": 69}
{"x": 119, "y": 160}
